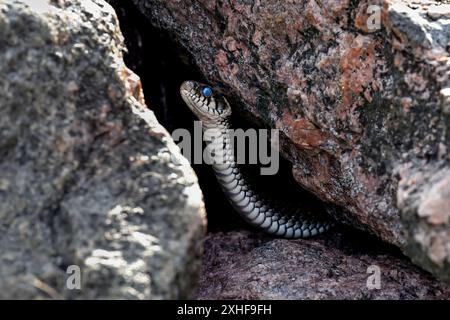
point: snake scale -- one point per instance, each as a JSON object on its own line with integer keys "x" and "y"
{"x": 214, "y": 111}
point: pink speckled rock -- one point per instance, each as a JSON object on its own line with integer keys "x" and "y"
{"x": 239, "y": 265}
{"x": 362, "y": 111}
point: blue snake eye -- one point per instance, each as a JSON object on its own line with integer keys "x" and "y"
{"x": 207, "y": 92}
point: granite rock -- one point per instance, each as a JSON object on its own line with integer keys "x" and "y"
{"x": 88, "y": 178}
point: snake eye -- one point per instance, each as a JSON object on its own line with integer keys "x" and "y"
{"x": 207, "y": 92}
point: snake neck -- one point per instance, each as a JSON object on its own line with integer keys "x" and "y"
{"x": 218, "y": 140}
{"x": 250, "y": 205}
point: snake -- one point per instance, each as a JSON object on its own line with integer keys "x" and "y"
{"x": 213, "y": 110}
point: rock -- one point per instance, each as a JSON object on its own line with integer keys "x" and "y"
{"x": 425, "y": 199}
{"x": 89, "y": 178}
{"x": 439, "y": 11}
{"x": 240, "y": 265}
{"x": 357, "y": 90}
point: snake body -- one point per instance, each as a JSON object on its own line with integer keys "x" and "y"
{"x": 214, "y": 111}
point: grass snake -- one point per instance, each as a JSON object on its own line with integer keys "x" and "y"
{"x": 214, "y": 111}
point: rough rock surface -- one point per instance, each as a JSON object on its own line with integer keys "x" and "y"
{"x": 240, "y": 265}
{"x": 360, "y": 92}
{"x": 87, "y": 175}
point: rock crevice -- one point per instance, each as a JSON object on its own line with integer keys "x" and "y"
{"x": 356, "y": 88}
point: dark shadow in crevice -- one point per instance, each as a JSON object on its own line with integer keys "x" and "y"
{"x": 162, "y": 67}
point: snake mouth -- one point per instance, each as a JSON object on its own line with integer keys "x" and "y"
{"x": 203, "y": 102}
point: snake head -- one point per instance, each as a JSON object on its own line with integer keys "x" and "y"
{"x": 204, "y": 102}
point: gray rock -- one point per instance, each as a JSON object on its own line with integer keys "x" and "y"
{"x": 360, "y": 109}
{"x": 87, "y": 175}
